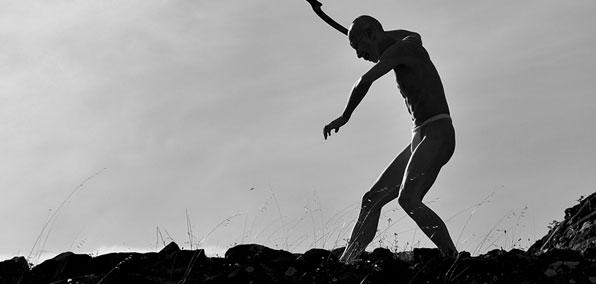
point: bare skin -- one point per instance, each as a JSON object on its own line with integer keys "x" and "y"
{"x": 412, "y": 173}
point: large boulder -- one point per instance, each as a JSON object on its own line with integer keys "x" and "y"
{"x": 576, "y": 232}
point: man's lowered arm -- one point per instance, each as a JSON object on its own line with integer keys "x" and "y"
{"x": 392, "y": 57}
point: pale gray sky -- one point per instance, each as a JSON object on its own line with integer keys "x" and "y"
{"x": 216, "y": 109}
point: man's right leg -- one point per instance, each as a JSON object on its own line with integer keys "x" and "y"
{"x": 384, "y": 190}
{"x": 434, "y": 151}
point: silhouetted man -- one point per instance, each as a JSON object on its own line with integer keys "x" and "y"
{"x": 409, "y": 177}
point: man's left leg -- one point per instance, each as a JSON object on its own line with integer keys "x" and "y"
{"x": 382, "y": 192}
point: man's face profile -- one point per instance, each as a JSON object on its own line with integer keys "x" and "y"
{"x": 361, "y": 40}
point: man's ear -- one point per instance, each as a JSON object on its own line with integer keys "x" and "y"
{"x": 371, "y": 35}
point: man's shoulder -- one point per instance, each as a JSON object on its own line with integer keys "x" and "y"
{"x": 413, "y": 38}
{"x": 401, "y": 35}
{"x": 408, "y": 50}
{"x": 408, "y": 46}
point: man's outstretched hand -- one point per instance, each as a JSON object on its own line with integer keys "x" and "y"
{"x": 334, "y": 125}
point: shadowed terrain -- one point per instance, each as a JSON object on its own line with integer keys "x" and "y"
{"x": 567, "y": 254}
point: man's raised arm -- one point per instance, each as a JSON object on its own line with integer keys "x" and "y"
{"x": 316, "y": 6}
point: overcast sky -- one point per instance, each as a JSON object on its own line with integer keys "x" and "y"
{"x": 127, "y": 124}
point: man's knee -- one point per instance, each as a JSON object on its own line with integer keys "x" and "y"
{"x": 375, "y": 198}
{"x": 369, "y": 199}
{"x": 409, "y": 202}
{"x": 413, "y": 190}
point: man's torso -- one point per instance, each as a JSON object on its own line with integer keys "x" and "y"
{"x": 418, "y": 80}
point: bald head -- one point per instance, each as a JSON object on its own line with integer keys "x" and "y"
{"x": 364, "y": 25}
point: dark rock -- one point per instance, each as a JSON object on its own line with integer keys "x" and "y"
{"x": 386, "y": 268}
{"x": 495, "y": 253}
{"x": 13, "y": 270}
{"x": 171, "y": 249}
{"x": 577, "y": 231}
{"x": 318, "y": 266}
{"x": 63, "y": 266}
{"x": 258, "y": 273}
{"x": 481, "y": 269}
{"x": 338, "y": 251}
{"x": 560, "y": 255}
{"x": 423, "y": 255}
{"x": 253, "y": 253}
{"x": 316, "y": 258}
{"x": 379, "y": 255}
{"x": 103, "y": 264}
{"x": 243, "y": 254}
{"x": 590, "y": 254}
{"x": 183, "y": 262}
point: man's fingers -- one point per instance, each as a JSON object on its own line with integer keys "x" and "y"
{"x": 328, "y": 129}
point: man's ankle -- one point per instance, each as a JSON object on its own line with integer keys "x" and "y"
{"x": 450, "y": 253}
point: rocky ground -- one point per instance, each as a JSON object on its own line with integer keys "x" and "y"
{"x": 567, "y": 254}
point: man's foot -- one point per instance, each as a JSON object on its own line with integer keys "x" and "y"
{"x": 350, "y": 257}
{"x": 450, "y": 253}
